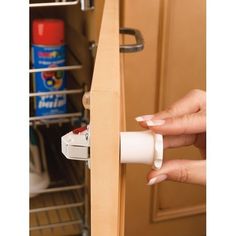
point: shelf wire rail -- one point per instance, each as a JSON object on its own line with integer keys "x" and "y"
{"x": 86, "y": 5}
{"x": 76, "y": 66}
{"x": 56, "y": 210}
{"x": 55, "y": 3}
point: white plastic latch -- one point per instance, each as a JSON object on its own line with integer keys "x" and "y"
{"x": 75, "y": 145}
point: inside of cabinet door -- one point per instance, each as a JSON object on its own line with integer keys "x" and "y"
{"x": 106, "y": 122}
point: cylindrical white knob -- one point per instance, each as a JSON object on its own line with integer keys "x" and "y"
{"x": 142, "y": 147}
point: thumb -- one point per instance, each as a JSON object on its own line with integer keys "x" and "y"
{"x": 185, "y": 171}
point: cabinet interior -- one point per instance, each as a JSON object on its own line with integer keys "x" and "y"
{"x": 63, "y": 208}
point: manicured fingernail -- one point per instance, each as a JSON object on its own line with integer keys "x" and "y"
{"x": 144, "y": 118}
{"x": 155, "y": 122}
{"x": 157, "y": 179}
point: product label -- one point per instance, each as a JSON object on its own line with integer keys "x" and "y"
{"x": 49, "y": 57}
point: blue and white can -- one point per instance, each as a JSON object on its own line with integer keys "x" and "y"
{"x": 49, "y": 81}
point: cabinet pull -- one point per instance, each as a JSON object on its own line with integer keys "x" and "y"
{"x": 138, "y": 46}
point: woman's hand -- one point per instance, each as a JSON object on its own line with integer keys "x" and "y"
{"x": 183, "y": 124}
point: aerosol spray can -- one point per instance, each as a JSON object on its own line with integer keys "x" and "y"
{"x": 48, "y": 51}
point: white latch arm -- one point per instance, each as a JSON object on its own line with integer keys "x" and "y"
{"x": 76, "y": 144}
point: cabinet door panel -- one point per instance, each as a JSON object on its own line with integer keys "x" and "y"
{"x": 107, "y": 176}
{"x": 171, "y": 64}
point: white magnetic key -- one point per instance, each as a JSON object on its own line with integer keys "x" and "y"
{"x": 142, "y": 147}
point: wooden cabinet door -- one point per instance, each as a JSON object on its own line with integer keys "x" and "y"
{"x": 106, "y": 122}
{"x": 171, "y": 64}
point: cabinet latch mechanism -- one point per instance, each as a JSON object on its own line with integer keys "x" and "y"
{"x": 75, "y": 145}
{"x": 143, "y": 147}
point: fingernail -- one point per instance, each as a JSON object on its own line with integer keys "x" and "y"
{"x": 144, "y": 118}
{"x": 155, "y": 122}
{"x": 157, "y": 179}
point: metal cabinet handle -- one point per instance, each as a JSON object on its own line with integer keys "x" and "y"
{"x": 138, "y": 46}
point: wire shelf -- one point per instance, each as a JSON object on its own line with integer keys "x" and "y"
{"x": 57, "y": 212}
{"x": 54, "y": 3}
{"x": 61, "y": 208}
{"x": 61, "y": 92}
{"x": 86, "y": 5}
{"x": 72, "y": 67}
{"x": 55, "y": 119}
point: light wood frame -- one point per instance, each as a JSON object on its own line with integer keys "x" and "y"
{"x": 106, "y": 122}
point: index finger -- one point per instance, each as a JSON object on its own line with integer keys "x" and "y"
{"x": 192, "y": 102}
{"x": 187, "y": 124}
